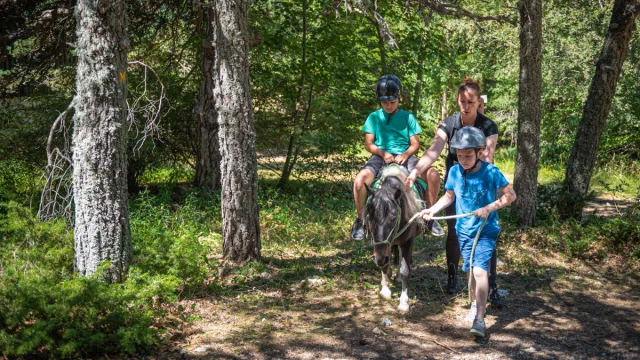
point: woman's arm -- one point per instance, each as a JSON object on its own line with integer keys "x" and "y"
{"x": 489, "y": 151}
{"x": 433, "y": 152}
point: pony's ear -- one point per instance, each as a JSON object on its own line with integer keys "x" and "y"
{"x": 369, "y": 189}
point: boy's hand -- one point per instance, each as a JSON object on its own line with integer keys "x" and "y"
{"x": 482, "y": 213}
{"x": 426, "y": 214}
{"x": 401, "y": 159}
{"x": 388, "y": 158}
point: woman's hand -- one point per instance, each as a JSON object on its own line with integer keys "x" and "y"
{"x": 408, "y": 183}
{"x": 482, "y": 213}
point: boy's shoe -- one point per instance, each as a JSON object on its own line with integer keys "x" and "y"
{"x": 452, "y": 284}
{"x": 434, "y": 228}
{"x": 357, "y": 230}
{"x": 478, "y": 328}
{"x": 494, "y": 298}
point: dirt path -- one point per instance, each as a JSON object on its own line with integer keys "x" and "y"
{"x": 556, "y": 311}
{"x": 605, "y": 205}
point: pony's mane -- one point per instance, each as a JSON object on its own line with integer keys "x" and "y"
{"x": 393, "y": 178}
{"x": 414, "y": 204}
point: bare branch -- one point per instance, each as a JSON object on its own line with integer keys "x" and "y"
{"x": 57, "y": 193}
{"x": 148, "y": 107}
{"x": 367, "y": 9}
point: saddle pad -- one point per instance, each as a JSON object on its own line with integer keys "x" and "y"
{"x": 418, "y": 190}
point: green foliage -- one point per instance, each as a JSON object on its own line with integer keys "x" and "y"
{"x": 65, "y": 318}
{"x": 173, "y": 232}
{"x": 46, "y": 309}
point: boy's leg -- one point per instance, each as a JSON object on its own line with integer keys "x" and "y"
{"x": 481, "y": 291}
{"x": 432, "y": 178}
{"x": 365, "y": 176}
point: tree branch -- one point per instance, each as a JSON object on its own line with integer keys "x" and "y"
{"x": 45, "y": 17}
{"x": 457, "y": 11}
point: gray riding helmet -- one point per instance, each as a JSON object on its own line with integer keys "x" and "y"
{"x": 468, "y": 137}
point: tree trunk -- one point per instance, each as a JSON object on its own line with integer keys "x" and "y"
{"x": 288, "y": 165}
{"x": 419, "y": 77}
{"x": 443, "y": 107}
{"x": 381, "y": 47}
{"x": 205, "y": 115}
{"x": 525, "y": 177}
{"x": 240, "y": 223}
{"x": 596, "y": 108}
{"x": 102, "y": 230}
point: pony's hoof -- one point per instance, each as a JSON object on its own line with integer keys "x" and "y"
{"x": 403, "y": 307}
{"x": 385, "y": 293}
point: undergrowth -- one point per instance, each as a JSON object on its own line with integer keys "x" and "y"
{"x": 48, "y": 311}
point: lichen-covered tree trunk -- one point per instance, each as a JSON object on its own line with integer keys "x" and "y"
{"x": 206, "y": 117}
{"x": 240, "y": 223}
{"x": 102, "y": 230}
{"x": 596, "y": 108}
{"x": 525, "y": 177}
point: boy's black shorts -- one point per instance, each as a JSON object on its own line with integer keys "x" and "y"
{"x": 376, "y": 163}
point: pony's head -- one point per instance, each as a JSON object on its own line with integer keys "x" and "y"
{"x": 389, "y": 208}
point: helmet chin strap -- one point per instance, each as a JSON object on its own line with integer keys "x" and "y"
{"x": 464, "y": 173}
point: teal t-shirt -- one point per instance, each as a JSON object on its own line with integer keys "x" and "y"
{"x": 392, "y": 132}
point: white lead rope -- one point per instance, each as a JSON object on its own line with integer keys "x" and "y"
{"x": 475, "y": 241}
{"x": 473, "y": 248}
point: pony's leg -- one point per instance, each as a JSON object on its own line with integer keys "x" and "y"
{"x": 385, "y": 292}
{"x": 405, "y": 273}
{"x": 396, "y": 263}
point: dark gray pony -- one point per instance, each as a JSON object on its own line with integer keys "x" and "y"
{"x": 387, "y": 212}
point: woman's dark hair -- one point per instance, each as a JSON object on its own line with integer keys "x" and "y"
{"x": 470, "y": 84}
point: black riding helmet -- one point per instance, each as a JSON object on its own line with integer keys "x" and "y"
{"x": 388, "y": 88}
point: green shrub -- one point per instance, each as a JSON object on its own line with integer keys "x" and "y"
{"x": 47, "y": 310}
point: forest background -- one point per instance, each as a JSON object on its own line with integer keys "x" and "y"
{"x": 314, "y": 64}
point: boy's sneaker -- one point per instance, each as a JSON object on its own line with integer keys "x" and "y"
{"x": 434, "y": 228}
{"x": 478, "y": 328}
{"x": 357, "y": 230}
{"x": 494, "y": 298}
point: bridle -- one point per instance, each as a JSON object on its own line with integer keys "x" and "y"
{"x": 389, "y": 240}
